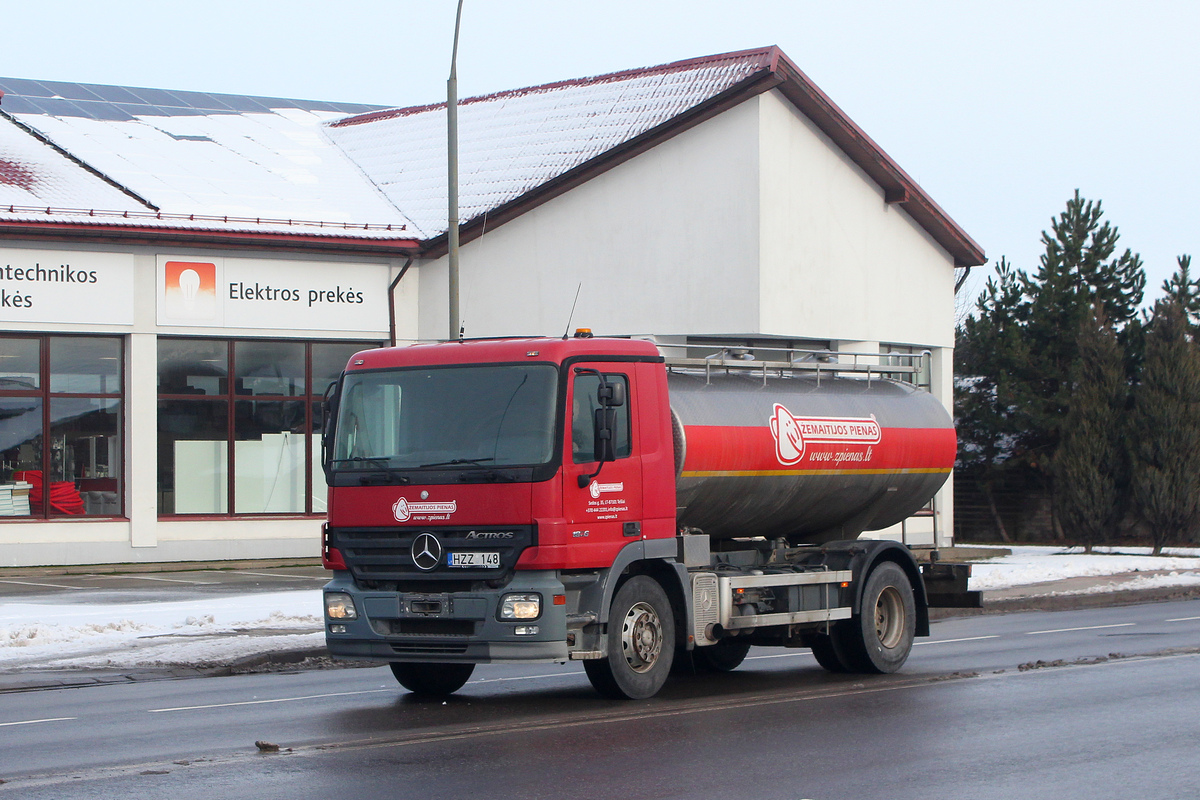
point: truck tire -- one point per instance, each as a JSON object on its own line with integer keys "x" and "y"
{"x": 880, "y": 636}
{"x": 432, "y": 680}
{"x": 724, "y": 656}
{"x": 823, "y": 650}
{"x": 641, "y": 643}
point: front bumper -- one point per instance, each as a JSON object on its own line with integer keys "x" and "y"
{"x": 449, "y": 627}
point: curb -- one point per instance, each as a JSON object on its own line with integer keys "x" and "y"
{"x": 1069, "y": 602}
{"x": 278, "y": 661}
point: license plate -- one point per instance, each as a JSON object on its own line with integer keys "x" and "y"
{"x": 473, "y": 558}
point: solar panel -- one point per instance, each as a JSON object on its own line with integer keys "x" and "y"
{"x": 70, "y": 91}
{"x": 102, "y": 102}
{"x": 24, "y": 87}
{"x": 15, "y": 104}
{"x": 153, "y": 97}
{"x": 96, "y": 109}
{"x": 115, "y": 94}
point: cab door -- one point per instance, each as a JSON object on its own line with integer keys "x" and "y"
{"x": 606, "y": 512}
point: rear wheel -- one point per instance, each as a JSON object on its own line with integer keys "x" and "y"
{"x": 724, "y": 656}
{"x": 880, "y": 637}
{"x": 432, "y": 680}
{"x": 641, "y": 642}
{"x": 823, "y": 650}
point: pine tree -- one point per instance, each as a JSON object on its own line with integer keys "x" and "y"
{"x": 1185, "y": 291}
{"x": 1077, "y": 270}
{"x": 1015, "y": 357}
{"x": 988, "y": 348}
{"x": 1165, "y": 430}
{"x": 1091, "y": 464}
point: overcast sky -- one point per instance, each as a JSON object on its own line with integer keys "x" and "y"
{"x": 1000, "y": 110}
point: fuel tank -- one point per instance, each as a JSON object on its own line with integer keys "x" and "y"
{"x": 804, "y": 458}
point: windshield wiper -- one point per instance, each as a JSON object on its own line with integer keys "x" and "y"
{"x": 378, "y": 472}
{"x": 456, "y": 461}
{"x": 380, "y": 460}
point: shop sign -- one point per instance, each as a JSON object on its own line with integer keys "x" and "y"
{"x": 66, "y": 286}
{"x": 260, "y": 293}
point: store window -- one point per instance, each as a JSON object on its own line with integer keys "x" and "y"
{"x": 239, "y": 424}
{"x": 61, "y": 426}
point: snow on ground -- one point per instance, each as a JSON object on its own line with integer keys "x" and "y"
{"x": 197, "y": 633}
{"x": 1038, "y": 564}
{"x": 67, "y": 633}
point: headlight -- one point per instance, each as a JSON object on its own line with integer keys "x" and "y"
{"x": 338, "y": 605}
{"x": 520, "y": 606}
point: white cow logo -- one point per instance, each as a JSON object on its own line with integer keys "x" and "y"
{"x": 793, "y": 433}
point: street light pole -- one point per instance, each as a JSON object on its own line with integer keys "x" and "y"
{"x": 452, "y": 178}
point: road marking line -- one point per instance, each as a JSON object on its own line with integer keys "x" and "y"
{"x": 1087, "y": 628}
{"x": 1184, "y": 619}
{"x": 964, "y": 639}
{"x": 36, "y": 721}
{"x": 777, "y": 655}
{"x": 263, "y": 702}
{"x": 324, "y": 578}
{"x": 148, "y": 578}
{"x": 51, "y": 585}
{"x": 567, "y": 674}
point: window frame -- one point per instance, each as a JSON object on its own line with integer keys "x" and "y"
{"x": 310, "y": 399}
{"x": 46, "y": 396}
{"x": 623, "y": 412}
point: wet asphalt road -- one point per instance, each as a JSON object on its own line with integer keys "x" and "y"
{"x": 1110, "y": 712}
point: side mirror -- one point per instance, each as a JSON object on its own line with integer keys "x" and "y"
{"x": 612, "y": 394}
{"x": 328, "y": 416}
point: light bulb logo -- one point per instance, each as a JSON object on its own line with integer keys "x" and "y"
{"x": 189, "y": 284}
{"x": 189, "y": 290}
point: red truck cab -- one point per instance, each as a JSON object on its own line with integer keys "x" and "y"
{"x": 465, "y": 481}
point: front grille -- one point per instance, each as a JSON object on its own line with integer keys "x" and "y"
{"x": 431, "y": 627}
{"x": 383, "y": 555}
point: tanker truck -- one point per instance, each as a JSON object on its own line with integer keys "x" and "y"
{"x": 549, "y": 500}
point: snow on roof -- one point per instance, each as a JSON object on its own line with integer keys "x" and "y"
{"x": 220, "y": 156}
{"x": 232, "y": 163}
{"x": 515, "y": 141}
{"x": 32, "y": 173}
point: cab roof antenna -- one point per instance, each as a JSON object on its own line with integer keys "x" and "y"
{"x": 566, "y": 333}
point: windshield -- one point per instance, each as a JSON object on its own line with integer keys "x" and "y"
{"x": 490, "y": 416}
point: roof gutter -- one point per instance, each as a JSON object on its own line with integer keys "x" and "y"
{"x": 105, "y": 234}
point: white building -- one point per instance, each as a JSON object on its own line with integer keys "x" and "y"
{"x": 182, "y": 274}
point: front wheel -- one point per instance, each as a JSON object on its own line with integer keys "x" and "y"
{"x": 641, "y": 642}
{"x": 432, "y": 680}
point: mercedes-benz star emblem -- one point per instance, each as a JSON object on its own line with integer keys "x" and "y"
{"x": 426, "y": 551}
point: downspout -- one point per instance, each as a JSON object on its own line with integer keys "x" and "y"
{"x": 962, "y": 278}
{"x": 392, "y": 300}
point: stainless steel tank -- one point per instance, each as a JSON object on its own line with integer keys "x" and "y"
{"x": 804, "y": 459}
